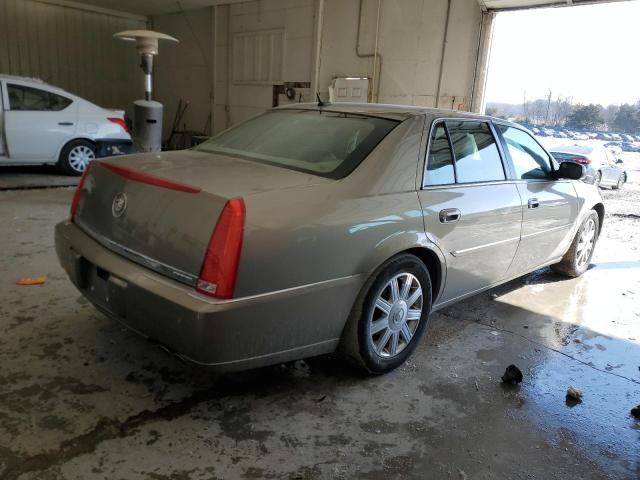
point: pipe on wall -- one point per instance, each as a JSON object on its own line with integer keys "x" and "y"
{"x": 377, "y": 57}
{"x": 482, "y": 62}
{"x": 444, "y": 50}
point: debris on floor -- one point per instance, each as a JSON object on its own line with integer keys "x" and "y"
{"x": 31, "y": 280}
{"x": 512, "y": 375}
{"x": 635, "y": 411}
{"x": 574, "y": 394}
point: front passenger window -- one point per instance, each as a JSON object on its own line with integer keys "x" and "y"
{"x": 529, "y": 159}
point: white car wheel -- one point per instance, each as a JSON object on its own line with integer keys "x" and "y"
{"x": 76, "y": 156}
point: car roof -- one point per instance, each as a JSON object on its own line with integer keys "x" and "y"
{"x": 393, "y": 112}
{"x": 4, "y": 76}
{"x": 36, "y": 82}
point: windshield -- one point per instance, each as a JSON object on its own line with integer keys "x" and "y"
{"x": 329, "y": 144}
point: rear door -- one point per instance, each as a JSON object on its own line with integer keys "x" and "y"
{"x": 37, "y": 123}
{"x": 549, "y": 206}
{"x": 471, "y": 211}
{"x": 2, "y": 103}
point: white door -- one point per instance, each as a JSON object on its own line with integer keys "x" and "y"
{"x": 37, "y": 123}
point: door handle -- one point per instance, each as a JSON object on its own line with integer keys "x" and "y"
{"x": 65, "y": 124}
{"x": 449, "y": 215}
{"x": 533, "y": 203}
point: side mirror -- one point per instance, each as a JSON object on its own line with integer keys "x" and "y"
{"x": 618, "y": 161}
{"x": 570, "y": 170}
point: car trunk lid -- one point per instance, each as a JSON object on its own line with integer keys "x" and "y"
{"x": 160, "y": 210}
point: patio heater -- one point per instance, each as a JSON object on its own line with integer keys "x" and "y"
{"x": 147, "y": 113}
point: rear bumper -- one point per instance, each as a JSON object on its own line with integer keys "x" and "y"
{"x": 109, "y": 147}
{"x": 224, "y": 335}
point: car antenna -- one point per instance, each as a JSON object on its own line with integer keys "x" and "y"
{"x": 320, "y": 102}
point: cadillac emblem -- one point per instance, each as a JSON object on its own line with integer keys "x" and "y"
{"x": 119, "y": 204}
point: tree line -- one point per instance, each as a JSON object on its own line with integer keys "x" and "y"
{"x": 562, "y": 112}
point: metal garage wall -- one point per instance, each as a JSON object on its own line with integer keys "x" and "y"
{"x": 71, "y": 47}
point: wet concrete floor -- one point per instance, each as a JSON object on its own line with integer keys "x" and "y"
{"x": 83, "y": 398}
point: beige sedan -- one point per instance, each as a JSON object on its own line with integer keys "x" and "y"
{"x": 310, "y": 229}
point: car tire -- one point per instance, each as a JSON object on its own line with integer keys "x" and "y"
{"x": 386, "y": 348}
{"x": 75, "y": 156}
{"x": 621, "y": 181}
{"x": 576, "y": 260}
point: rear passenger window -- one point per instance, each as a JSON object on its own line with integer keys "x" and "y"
{"x": 440, "y": 163}
{"x": 529, "y": 159}
{"x": 33, "y": 99}
{"x": 476, "y": 154}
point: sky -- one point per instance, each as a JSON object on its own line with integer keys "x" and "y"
{"x": 591, "y": 53}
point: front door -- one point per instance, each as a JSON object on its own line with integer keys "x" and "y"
{"x": 37, "y": 123}
{"x": 548, "y": 206}
{"x": 471, "y": 211}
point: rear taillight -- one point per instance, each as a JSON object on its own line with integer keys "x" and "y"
{"x": 220, "y": 266}
{"x": 76, "y": 194}
{"x": 121, "y": 122}
{"x": 581, "y": 160}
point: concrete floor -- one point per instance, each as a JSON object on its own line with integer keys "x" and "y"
{"x": 83, "y": 398}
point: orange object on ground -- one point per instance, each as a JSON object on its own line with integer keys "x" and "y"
{"x": 31, "y": 281}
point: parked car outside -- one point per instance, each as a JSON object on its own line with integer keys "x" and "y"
{"x": 629, "y": 147}
{"x": 43, "y": 124}
{"x": 315, "y": 228}
{"x": 616, "y": 137}
{"x": 601, "y": 164}
{"x": 615, "y": 149}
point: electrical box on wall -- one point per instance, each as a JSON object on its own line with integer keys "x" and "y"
{"x": 349, "y": 89}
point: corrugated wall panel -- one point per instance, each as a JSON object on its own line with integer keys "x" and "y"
{"x": 71, "y": 48}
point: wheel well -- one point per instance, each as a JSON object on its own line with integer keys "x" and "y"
{"x": 64, "y": 145}
{"x": 599, "y": 208}
{"x": 432, "y": 262}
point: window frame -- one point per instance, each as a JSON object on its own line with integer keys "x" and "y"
{"x": 507, "y": 167}
{"x": 48, "y": 92}
{"x": 552, "y": 161}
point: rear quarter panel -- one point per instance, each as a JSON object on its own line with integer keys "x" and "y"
{"x": 343, "y": 228}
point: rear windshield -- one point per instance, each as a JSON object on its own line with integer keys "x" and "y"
{"x": 329, "y": 144}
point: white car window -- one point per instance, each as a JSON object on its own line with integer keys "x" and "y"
{"x": 33, "y": 99}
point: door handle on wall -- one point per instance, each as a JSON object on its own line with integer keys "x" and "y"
{"x": 449, "y": 215}
{"x": 65, "y": 124}
{"x": 533, "y": 203}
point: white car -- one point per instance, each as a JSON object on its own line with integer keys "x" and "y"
{"x": 43, "y": 124}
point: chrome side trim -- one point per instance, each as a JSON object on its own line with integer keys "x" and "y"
{"x": 561, "y": 227}
{"x": 159, "y": 267}
{"x": 213, "y": 301}
{"x": 486, "y": 245}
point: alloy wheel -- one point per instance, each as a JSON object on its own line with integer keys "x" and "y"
{"x": 80, "y": 156}
{"x": 396, "y": 315}
{"x": 586, "y": 242}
